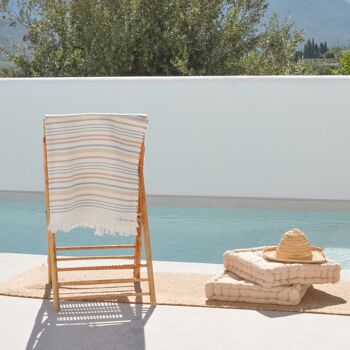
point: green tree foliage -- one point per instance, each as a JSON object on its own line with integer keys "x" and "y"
{"x": 150, "y": 37}
{"x": 314, "y": 50}
{"x": 298, "y": 56}
{"x": 277, "y": 50}
{"x": 335, "y": 52}
{"x": 344, "y": 62}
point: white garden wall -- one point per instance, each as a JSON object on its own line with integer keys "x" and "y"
{"x": 210, "y": 136}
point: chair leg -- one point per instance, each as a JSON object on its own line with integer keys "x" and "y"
{"x": 138, "y": 244}
{"x": 54, "y": 274}
{"x": 49, "y": 260}
{"x": 149, "y": 262}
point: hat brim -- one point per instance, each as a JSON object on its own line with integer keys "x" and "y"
{"x": 317, "y": 256}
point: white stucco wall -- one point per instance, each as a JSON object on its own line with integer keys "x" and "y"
{"x": 233, "y": 136}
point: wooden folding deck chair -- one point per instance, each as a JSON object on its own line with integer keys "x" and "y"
{"x": 143, "y": 228}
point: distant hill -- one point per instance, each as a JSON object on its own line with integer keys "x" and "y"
{"x": 324, "y": 20}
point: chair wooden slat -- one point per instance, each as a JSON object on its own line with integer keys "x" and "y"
{"x": 102, "y": 257}
{"x": 102, "y": 267}
{"x": 116, "y": 246}
{"x": 105, "y": 281}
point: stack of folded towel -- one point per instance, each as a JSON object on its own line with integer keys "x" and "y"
{"x": 250, "y": 277}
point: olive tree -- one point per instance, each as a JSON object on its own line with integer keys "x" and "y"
{"x": 149, "y": 37}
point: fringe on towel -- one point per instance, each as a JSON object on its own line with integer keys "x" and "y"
{"x": 104, "y": 223}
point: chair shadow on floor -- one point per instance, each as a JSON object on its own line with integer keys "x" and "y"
{"x": 90, "y": 325}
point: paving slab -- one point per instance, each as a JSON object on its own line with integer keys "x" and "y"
{"x": 30, "y": 324}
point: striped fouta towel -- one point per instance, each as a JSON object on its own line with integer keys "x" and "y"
{"x": 93, "y": 171}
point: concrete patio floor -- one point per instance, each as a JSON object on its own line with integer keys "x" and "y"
{"x": 32, "y": 324}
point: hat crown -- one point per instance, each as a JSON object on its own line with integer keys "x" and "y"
{"x": 294, "y": 244}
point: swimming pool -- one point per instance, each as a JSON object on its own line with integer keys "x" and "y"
{"x": 186, "y": 234}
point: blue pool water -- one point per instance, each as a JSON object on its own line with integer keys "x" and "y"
{"x": 186, "y": 234}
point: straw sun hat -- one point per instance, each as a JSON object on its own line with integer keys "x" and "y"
{"x": 294, "y": 247}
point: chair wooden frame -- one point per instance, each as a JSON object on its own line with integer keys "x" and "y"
{"x": 143, "y": 227}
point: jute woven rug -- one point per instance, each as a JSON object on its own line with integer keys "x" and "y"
{"x": 184, "y": 289}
